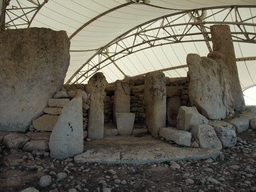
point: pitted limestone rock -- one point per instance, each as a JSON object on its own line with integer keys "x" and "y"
{"x": 206, "y": 136}
{"x": 15, "y": 140}
{"x": 66, "y": 139}
{"x": 226, "y": 132}
{"x": 189, "y": 116}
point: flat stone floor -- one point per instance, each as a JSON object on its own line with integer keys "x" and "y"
{"x": 138, "y": 150}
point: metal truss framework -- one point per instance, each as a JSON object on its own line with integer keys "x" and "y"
{"x": 162, "y": 31}
{"x": 20, "y": 16}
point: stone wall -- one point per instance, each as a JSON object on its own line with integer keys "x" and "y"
{"x": 33, "y": 65}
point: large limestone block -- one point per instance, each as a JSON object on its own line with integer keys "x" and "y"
{"x": 188, "y": 117}
{"x": 124, "y": 123}
{"x": 209, "y": 87}
{"x": 122, "y": 98}
{"x": 223, "y": 43}
{"x": 66, "y": 139}
{"x": 226, "y": 132}
{"x": 155, "y": 101}
{"x": 33, "y": 65}
{"x": 178, "y": 136}
{"x": 173, "y": 105}
{"x": 45, "y": 122}
{"x": 60, "y": 94}
{"x": 96, "y": 89}
{"x": 39, "y": 135}
{"x": 206, "y": 137}
{"x": 15, "y": 140}
{"x": 242, "y": 122}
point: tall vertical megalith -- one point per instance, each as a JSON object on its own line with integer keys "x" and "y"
{"x": 33, "y": 65}
{"x": 67, "y": 135}
{"x": 155, "y": 101}
{"x": 96, "y": 89}
{"x": 222, "y": 43}
{"x": 122, "y": 97}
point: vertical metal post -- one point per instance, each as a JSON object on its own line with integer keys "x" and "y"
{"x": 3, "y": 5}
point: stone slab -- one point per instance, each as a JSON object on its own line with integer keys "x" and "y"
{"x": 138, "y": 150}
{"x": 178, "y": 136}
{"x": 58, "y": 102}
{"x": 39, "y": 135}
{"x": 45, "y": 122}
{"x": 39, "y": 145}
{"x": 53, "y": 111}
{"x": 61, "y": 94}
{"x": 15, "y": 140}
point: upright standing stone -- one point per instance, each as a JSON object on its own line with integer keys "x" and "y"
{"x": 155, "y": 101}
{"x": 122, "y": 97}
{"x": 66, "y": 139}
{"x": 222, "y": 43}
{"x": 209, "y": 87}
{"x": 33, "y": 65}
{"x": 96, "y": 89}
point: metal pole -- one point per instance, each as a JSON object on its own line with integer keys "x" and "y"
{"x": 3, "y": 5}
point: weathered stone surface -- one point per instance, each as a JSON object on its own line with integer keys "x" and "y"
{"x": 110, "y": 132}
{"x": 242, "y": 122}
{"x": 85, "y": 96}
{"x": 124, "y": 123}
{"x": 40, "y": 145}
{"x": 15, "y": 140}
{"x": 178, "y": 136}
{"x": 72, "y": 93}
{"x": 45, "y": 181}
{"x": 137, "y": 89}
{"x": 173, "y": 105}
{"x": 139, "y": 131}
{"x": 85, "y": 106}
{"x": 96, "y": 89}
{"x": 155, "y": 101}
{"x": 60, "y": 94}
{"x": 53, "y": 111}
{"x": 122, "y": 98}
{"x": 34, "y": 63}
{"x": 209, "y": 87}
{"x": 223, "y": 43}
{"x": 39, "y": 135}
{"x": 251, "y": 109}
{"x": 2, "y": 135}
{"x": 45, "y": 123}
{"x": 172, "y": 91}
{"x": 226, "y": 132}
{"x": 189, "y": 116}
{"x": 58, "y": 102}
{"x": 253, "y": 123}
{"x": 206, "y": 137}
{"x": 67, "y": 135}
{"x": 138, "y": 80}
{"x": 30, "y": 189}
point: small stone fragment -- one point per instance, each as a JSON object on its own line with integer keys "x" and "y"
{"x": 45, "y": 181}
{"x": 30, "y": 189}
{"x": 15, "y": 140}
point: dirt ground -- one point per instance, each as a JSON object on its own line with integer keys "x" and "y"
{"x": 234, "y": 170}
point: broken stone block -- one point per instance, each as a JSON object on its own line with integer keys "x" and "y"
{"x": 96, "y": 89}
{"x": 122, "y": 98}
{"x": 57, "y": 102}
{"x": 178, "y": 136}
{"x": 253, "y": 123}
{"x": 223, "y": 43}
{"x": 71, "y": 93}
{"x": 60, "y": 94}
{"x": 124, "y": 123}
{"x": 85, "y": 106}
{"x": 189, "y": 116}
{"x": 226, "y": 132}
{"x": 209, "y": 87}
{"x": 67, "y": 138}
{"x": 53, "y": 111}
{"x": 85, "y": 96}
{"x": 155, "y": 101}
{"x": 39, "y": 135}
{"x": 15, "y": 140}
{"x": 39, "y": 145}
{"x": 241, "y": 123}
{"x": 173, "y": 105}
{"x": 34, "y": 63}
{"x": 45, "y": 122}
{"x": 206, "y": 137}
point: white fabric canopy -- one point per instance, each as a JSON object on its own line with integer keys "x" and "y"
{"x": 94, "y": 25}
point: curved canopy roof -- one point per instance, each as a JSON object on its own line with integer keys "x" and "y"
{"x": 132, "y": 37}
